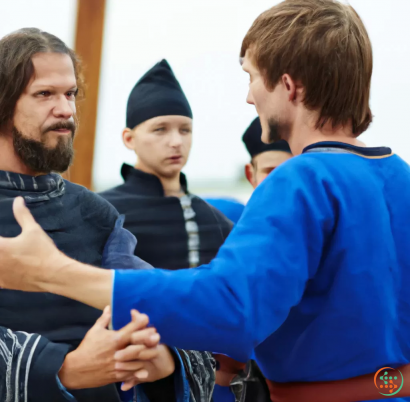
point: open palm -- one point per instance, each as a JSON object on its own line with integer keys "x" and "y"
{"x": 25, "y": 259}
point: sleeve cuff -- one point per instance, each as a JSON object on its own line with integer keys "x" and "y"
{"x": 181, "y": 384}
{"x": 112, "y": 324}
{"x": 43, "y": 382}
{"x": 64, "y": 390}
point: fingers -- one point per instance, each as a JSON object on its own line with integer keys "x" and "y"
{"x": 149, "y": 354}
{"x": 136, "y": 352}
{"x": 142, "y": 374}
{"x": 148, "y": 337}
{"x": 22, "y": 214}
{"x": 135, "y": 315}
{"x": 130, "y": 366}
{"x": 104, "y": 319}
{"x": 124, "y": 376}
{"x": 139, "y": 321}
{"x": 128, "y": 354}
{"x": 127, "y": 385}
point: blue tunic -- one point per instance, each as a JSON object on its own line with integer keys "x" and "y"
{"x": 314, "y": 277}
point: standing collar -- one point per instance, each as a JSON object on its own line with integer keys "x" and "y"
{"x": 33, "y": 188}
{"x": 147, "y": 184}
{"x": 341, "y": 147}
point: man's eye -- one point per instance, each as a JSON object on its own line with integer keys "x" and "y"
{"x": 44, "y": 93}
{"x": 186, "y": 130}
{"x": 72, "y": 94}
{"x": 159, "y": 129}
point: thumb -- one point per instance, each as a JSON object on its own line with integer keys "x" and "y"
{"x": 22, "y": 214}
{"x": 105, "y": 318}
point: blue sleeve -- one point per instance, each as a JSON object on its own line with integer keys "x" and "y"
{"x": 239, "y": 299}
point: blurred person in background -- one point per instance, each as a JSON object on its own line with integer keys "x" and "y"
{"x": 173, "y": 227}
{"x": 265, "y": 158}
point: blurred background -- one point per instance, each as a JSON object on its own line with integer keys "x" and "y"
{"x": 120, "y": 39}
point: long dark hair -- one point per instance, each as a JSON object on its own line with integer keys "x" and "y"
{"x": 16, "y": 67}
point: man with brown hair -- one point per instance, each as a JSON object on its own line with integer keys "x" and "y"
{"x": 314, "y": 276}
{"x": 64, "y": 343}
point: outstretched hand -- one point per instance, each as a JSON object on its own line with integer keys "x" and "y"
{"x": 27, "y": 260}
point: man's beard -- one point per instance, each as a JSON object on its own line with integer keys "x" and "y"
{"x": 274, "y": 131}
{"x": 41, "y": 159}
{"x": 277, "y": 130}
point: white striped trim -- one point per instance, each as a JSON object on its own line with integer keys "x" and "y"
{"x": 16, "y": 399}
{"x": 30, "y": 358}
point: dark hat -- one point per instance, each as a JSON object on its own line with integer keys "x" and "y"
{"x": 157, "y": 93}
{"x": 254, "y": 144}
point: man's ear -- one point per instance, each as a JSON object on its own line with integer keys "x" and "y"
{"x": 128, "y": 138}
{"x": 250, "y": 174}
{"x": 290, "y": 87}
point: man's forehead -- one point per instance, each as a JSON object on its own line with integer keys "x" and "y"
{"x": 270, "y": 159}
{"x": 54, "y": 69}
{"x": 247, "y": 61}
{"x": 171, "y": 120}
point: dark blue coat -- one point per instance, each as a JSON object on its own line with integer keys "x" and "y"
{"x": 80, "y": 223}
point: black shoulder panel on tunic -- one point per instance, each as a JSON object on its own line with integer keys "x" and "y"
{"x": 79, "y": 222}
{"x": 158, "y": 224}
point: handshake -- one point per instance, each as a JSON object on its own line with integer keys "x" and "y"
{"x": 131, "y": 355}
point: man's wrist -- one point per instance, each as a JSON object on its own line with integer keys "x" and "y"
{"x": 78, "y": 281}
{"x": 51, "y": 274}
{"x": 166, "y": 361}
{"x": 68, "y": 372}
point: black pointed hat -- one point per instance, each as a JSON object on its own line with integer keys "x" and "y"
{"x": 157, "y": 93}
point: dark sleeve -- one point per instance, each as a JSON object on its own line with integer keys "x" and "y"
{"x": 192, "y": 381}
{"x": 43, "y": 382}
{"x": 29, "y": 366}
{"x": 161, "y": 390}
{"x": 119, "y": 249}
{"x": 199, "y": 370}
{"x": 224, "y": 223}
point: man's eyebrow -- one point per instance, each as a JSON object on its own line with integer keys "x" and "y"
{"x": 40, "y": 85}
{"x": 160, "y": 123}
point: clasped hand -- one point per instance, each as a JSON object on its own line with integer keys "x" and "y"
{"x": 131, "y": 355}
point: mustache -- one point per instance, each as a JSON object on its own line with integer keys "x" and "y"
{"x": 62, "y": 125}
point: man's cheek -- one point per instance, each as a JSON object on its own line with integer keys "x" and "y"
{"x": 261, "y": 177}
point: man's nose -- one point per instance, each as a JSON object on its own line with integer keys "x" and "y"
{"x": 176, "y": 139}
{"x": 63, "y": 108}
{"x": 249, "y": 98}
